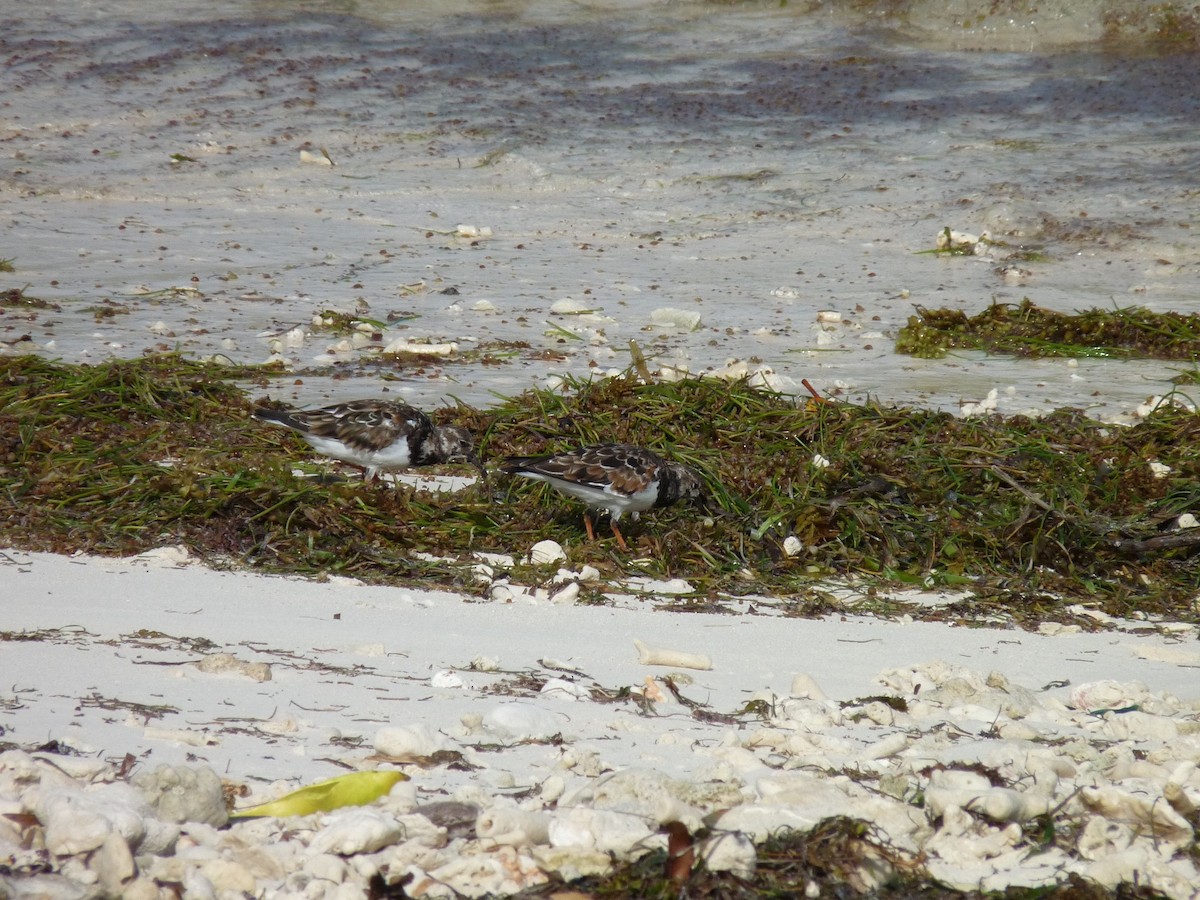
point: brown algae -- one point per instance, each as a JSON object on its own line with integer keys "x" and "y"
{"x": 1032, "y": 515}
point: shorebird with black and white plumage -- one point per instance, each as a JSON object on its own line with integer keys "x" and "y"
{"x": 376, "y": 435}
{"x": 621, "y": 478}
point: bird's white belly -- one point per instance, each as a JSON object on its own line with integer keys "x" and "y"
{"x": 606, "y": 498}
{"x": 395, "y": 456}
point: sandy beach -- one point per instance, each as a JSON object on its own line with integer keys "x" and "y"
{"x": 545, "y": 714}
{"x": 461, "y": 201}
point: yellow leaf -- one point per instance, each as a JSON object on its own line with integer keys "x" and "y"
{"x": 355, "y": 789}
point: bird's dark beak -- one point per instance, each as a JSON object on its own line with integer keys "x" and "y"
{"x": 475, "y": 461}
{"x": 706, "y": 503}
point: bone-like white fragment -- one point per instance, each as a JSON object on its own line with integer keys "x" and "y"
{"x": 522, "y": 721}
{"x": 658, "y": 656}
{"x": 1007, "y": 805}
{"x": 315, "y": 159}
{"x": 1145, "y": 815}
{"x": 803, "y": 685}
{"x": 608, "y": 831}
{"x": 77, "y": 821}
{"x": 408, "y": 741}
{"x": 728, "y": 851}
{"x": 565, "y": 596}
{"x": 181, "y": 736}
{"x": 996, "y": 803}
{"x": 570, "y": 307}
{"x": 544, "y": 552}
{"x": 228, "y": 664}
{"x": 403, "y": 345}
{"x": 888, "y": 746}
{"x": 1174, "y": 792}
{"x": 358, "y": 830}
{"x": 514, "y": 827}
{"x": 680, "y": 319}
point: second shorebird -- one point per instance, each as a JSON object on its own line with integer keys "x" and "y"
{"x": 376, "y": 435}
{"x": 621, "y": 478}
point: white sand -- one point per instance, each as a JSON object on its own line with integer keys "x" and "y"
{"x": 107, "y": 666}
{"x": 348, "y": 658}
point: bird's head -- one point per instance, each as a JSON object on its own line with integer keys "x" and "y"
{"x": 453, "y": 443}
{"x": 691, "y": 487}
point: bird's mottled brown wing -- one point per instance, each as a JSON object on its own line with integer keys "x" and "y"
{"x": 620, "y": 467}
{"x": 367, "y": 425}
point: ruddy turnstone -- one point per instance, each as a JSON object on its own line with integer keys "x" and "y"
{"x": 376, "y": 435}
{"x": 618, "y": 477}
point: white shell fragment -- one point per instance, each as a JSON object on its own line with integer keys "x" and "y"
{"x": 410, "y": 741}
{"x": 581, "y": 829}
{"x": 175, "y": 555}
{"x": 679, "y": 319}
{"x": 988, "y": 404}
{"x": 804, "y": 686}
{"x": 183, "y": 794}
{"x": 515, "y": 827}
{"x": 1159, "y": 470}
{"x": 446, "y": 679}
{"x": 228, "y": 664}
{"x": 357, "y": 830}
{"x": 657, "y": 656}
{"x": 998, "y": 804}
{"x": 77, "y": 822}
{"x": 315, "y": 159}
{"x": 963, "y": 241}
{"x": 728, "y": 851}
{"x": 404, "y": 345}
{"x": 518, "y": 720}
{"x": 568, "y": 306}
{"x": 566, "y": 595}
{"x": 546, "y": 552}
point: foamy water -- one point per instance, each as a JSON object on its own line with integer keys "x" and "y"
{"x": 775, "y": 171}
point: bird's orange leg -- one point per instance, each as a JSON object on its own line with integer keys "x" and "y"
{"x": 587, "y": 523}
{"x": 812, "y": 390}
{"x": 620, "y": 540}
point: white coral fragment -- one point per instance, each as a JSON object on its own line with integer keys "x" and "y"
{"x": 659, "y": 656}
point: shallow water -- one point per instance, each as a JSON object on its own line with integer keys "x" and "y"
{"x": 754, "y": 164}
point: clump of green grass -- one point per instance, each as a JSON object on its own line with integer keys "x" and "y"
{"x": 108, "y": 309}
{"x": 828, "y": 856}
{"x": 948, "y": 246}
{"x": 1025, "y": 329}
{"x": 332, "y": 321}
{"x": 1032, "y": 514}
{"x": 827, "y": 859}
{"x": 793, "y": 864}
{"x": 1161, "y": 27}
{"x": 1191, "y": 376}
{"x": 16, "y": 298}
